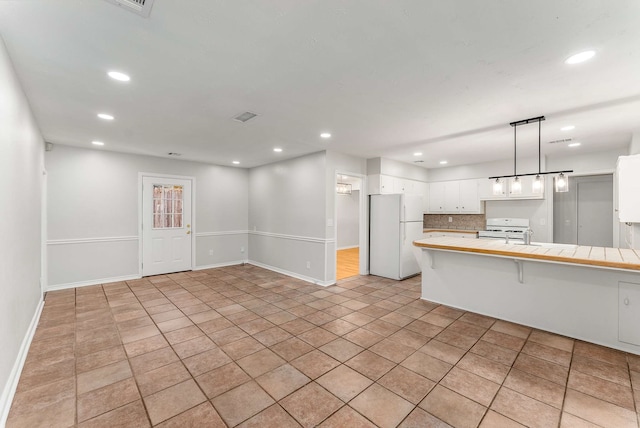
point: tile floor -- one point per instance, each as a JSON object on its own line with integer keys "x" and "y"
{"x": 242, "y": 346}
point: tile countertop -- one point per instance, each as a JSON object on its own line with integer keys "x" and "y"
{"x": 449, "y": 231}
{"x": 613, "y": 258}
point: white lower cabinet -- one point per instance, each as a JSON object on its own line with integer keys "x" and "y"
{"x": 629, "y": 313}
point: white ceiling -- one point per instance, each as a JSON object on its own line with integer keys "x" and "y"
{"x": 386, "y": 78}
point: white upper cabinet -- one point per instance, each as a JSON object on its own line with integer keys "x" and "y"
{"x": 385, "y": 184}
{"x": 436, "y": 197}
{"x": 627, "y": 185}
{"x": 486, "y": 189}
{"x": 469, "y": 197}
{"x": 454, "y": 197}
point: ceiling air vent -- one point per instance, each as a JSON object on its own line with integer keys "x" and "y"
{"x": 244, "y": 117}
{"x": 564, "y": 140}
{"x": 139, "y": 7}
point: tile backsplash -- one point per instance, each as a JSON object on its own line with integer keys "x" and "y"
{"x": 459, "y": 221}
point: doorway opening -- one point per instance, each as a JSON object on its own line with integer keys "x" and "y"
{"x": 167, "y": 224}
{"x": 349, "y": 211}
{"x": 584, "y": 214}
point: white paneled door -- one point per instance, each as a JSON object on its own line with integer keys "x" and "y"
{"x": 166, "y": 225}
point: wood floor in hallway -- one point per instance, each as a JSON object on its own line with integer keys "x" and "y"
{"x": 347, "y": 263}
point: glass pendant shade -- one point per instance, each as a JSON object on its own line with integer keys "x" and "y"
{"x": 497, "y": 187}
{"x": 538, "y": 185}
{"x": 562, "y": 183}
{"x": 516, "y": 186}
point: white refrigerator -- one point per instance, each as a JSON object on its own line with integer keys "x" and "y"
{"x": 395, "y": 221}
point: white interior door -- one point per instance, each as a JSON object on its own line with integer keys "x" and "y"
{"x": 166, "y": 225}
{"x": 595, "y": 212}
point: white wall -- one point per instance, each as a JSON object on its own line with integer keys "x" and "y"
{"x": 93, "y": 213}
{"x": 395, "y": 168}
{"x": 347, "y": 220}
{"x": 287, "y": 217}
{"x": 21, "y": 174}
{"x": 634, "y": 145}
{"x": 483, "y": 170}
{"x": 604, "y": 161}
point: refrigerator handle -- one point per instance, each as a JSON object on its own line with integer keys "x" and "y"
{"x": 404, "y": 234}
{"x": 403, "y": 214}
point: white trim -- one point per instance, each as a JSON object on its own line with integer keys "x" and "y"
{"x": 93, "y": 282}
{"x": 12, "y": 382}
{"x": 226, "y": 232}
{"x": 219, "y": 265}
{"x": 347, "y": 248}
{"x": 293, "y": 237}
{"x": 293, "y": 274}
{"x": 91, "y": 240}
{"x": 44, "y": 269}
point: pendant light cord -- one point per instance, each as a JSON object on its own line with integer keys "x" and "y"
{"x": 515, "y": 151}
{"x": 539, "y": 128}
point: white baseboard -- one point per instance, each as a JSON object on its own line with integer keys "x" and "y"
{"x": 219, "y": 265}
{"x": 92, "y": 282}
{"x": 293, "y": 274}
{"x": 12, "y": 382}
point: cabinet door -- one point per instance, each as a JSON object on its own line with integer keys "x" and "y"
{"x": 628, "y": 188}
{"x": 387, "y": 184}
{"x": 452, "y": 196}
{"x": 423, "y": 190}
{"x": 527, "y": 189}
{"x": 436, "y": 197}
{"x": 400, "y": 185}
{"x": 469, "y": 198}
{"x": 486, "y": 190}
{"x": 629, "y": 313}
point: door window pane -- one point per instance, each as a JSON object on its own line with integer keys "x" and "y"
{"x": 167, "y": 206}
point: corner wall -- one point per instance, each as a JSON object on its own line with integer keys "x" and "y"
{"x": 92, "y": 213}
{"x": 21, "y": 173}
{"x": 287, "y": 218}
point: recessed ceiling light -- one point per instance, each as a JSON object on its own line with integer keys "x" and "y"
{"x": 417, "y": 154}
{"x": 105, "y": 116}
{"x": 119, "y": 76}
{"x": 443, "y": 162}
{"x": 568, "y": 128}
{"x": 574, "y": 144}
{"x": 236, "y": 162}
{"x": 97, "y": 143}
{"x": 277, "y": 149}
{"x": 580, "y": 57}
{"x": 325, "y": 135}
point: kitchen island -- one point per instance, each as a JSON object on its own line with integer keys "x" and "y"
{"x": 588, "y": 293}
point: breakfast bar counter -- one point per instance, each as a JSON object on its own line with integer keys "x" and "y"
{"x": 588, "y": 293}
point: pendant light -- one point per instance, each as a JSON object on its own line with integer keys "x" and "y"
{"x": 561, "y": 181}
{"x": 537, "y": 186}
{"x": 497, "y": 187}
{"x": 516, "y": 184}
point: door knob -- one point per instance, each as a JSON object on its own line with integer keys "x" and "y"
{"x": 626, "y": 301}
{"x": 188, "y": 232}
{"x": 188, "y": 225}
